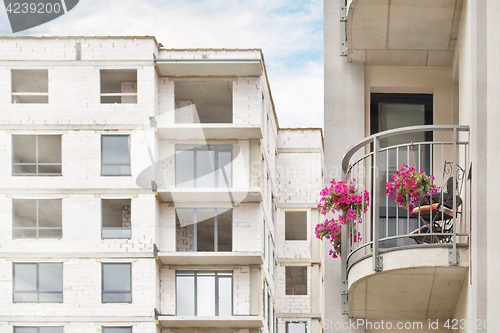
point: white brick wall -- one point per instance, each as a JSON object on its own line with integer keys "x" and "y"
{"x": 294, "y": 248}
{"x": 83, "y": 327}
{"x": 300, "y": 177}
{"x": 81, "y": 163}
{"x": 74, "y": 98}
{"x": 82, "y": 291}
{"x": 247, "y": 100}
{"x": 81, "y": 228}
{"x": 61, "y": 48}
{"x": 247, "y": 228}
{"x": 241, "y": 291}
{"x": 293, "y": 303}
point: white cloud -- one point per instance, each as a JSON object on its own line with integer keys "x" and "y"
{"x": 289, "y": 33}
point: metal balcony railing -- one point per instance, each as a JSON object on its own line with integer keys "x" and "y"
{"x": 439, "y": 150}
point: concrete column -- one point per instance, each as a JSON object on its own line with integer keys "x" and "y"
{"x": 488, "y": 15}
{"x": 480, "y": 256}
{"x": 344, "y": 125}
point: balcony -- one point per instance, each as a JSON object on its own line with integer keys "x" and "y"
{"x": 401, "y": 268}
{"x": 402, "y": 32}
{"x": 204, "y": 111}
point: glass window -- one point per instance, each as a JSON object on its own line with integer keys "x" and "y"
{"x": 36, "y": 155}
{"x": 116, "y": 218}
{"x": 296, "y": 327}
{"x": 268, "y": 310}
{"x": 118, "y": 86}
{"x": 30, "y": 86}
{"x": 204, "y": 293}
{"x": 40, "y": 329}
{"x": 117, "y": 329}
{"x": 38, "y": 282}
{"x": 203, "y": 166}
{"x": 37, "y": 218}
{"x": 204, "y": 230}
{"x": 391, "y": 111}
{"x": 295, "y": 226}
{"x": 116, "y": 283}
{"x": 296, "y": 280}
{"x": 115, "y": 155}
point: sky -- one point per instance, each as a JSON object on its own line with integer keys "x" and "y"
{"x": 290, "y": 33}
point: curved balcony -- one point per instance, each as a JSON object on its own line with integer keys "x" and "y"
{"x": 402, "y": 32}
{"x": 399, "y": 267}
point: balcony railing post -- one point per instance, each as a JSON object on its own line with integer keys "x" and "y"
{"x": 377, "y": 260}
{"x": 454, "y": 253}
{"x": 344, "y": 252}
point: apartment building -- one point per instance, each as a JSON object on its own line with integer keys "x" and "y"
{"x": 147, "y": 189}
{"x": 414, "y": 82}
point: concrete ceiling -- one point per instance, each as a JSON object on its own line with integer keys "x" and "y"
{"x": 403, "y": 32}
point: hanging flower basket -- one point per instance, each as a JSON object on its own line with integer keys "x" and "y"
{"x": 410, "y": 186}
{"x": 331, "y": 230}
{"x": 342, "y": 197}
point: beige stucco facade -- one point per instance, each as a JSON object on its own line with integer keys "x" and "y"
{"x": 445, "y": 48}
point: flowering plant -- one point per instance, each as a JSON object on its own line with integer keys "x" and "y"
{"x": 331, "y": 229}
{"x": 341, "y": 196}
{"x": 409, "y": 186}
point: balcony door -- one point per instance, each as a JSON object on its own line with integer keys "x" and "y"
{"x": 391, "y": 111}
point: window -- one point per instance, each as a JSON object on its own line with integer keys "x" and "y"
{"x": 115, "y": 155}
{"x": 116, "y": 218}
{"x": 203, "y": 166}
{"x": 30, "y": 86}
{"x": 295, "y": 226}
{"x": 391, "y": 111}
{"x": 296, "y": 280}
{"x": 296, "y": 327}
{"x": 204, "y": 229}
{"x": 118, "y": 86}
{"x": 41, "y": 329}
{"x": 268, "y": 310}
{"x": 37, "y": 218}
{"x": 204, "y": 293}
{"x": 38, "y": 282}
{"x": 36, "y": 155}
{"x": 116, "y": 283}
{"x": 117, "y": 329}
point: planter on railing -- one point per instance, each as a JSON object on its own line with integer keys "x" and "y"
{"x": 387, "y": 227}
